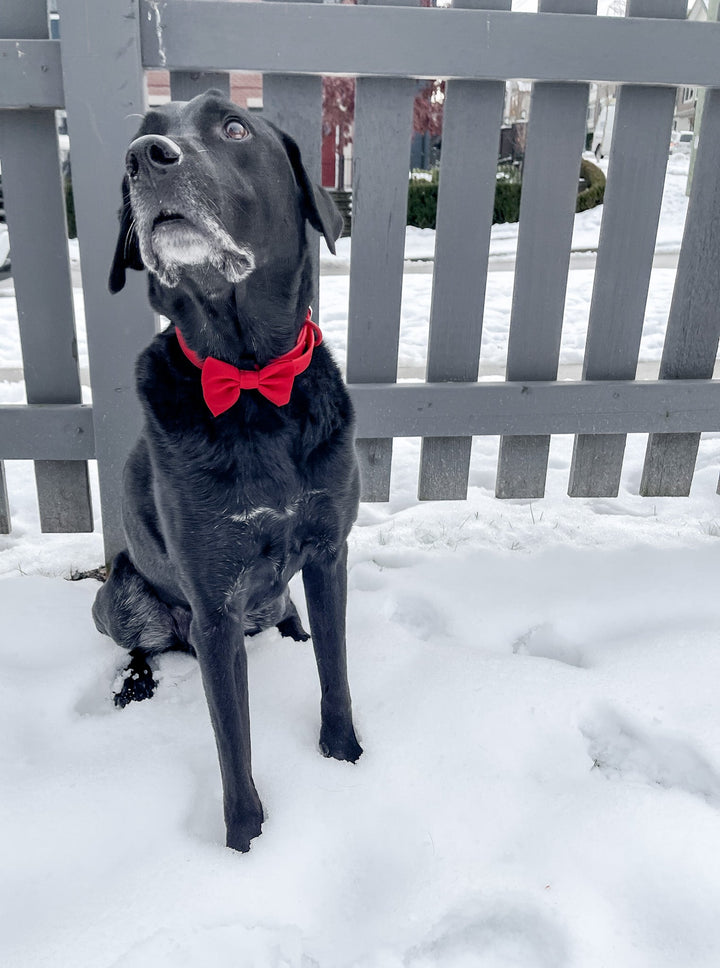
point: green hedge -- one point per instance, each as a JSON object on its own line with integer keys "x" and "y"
{"x": 422, "y": 204}
{"x": 507, "y": 194}
{"x": 422, "y": 196}
{"x": 70, "y": 208}
{"x": 594, "y": 194}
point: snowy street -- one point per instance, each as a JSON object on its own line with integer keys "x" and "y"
{"x": 534, "y": 684}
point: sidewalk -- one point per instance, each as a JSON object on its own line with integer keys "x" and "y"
{"x": 579, "y": 259}
{"x": 416, "y": 296}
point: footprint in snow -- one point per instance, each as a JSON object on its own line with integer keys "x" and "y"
{"x": 419, "y": 616}
{"x": 543, "y": 642}
{"x": 621, "y": 748}
{"x": 492, "y": 934}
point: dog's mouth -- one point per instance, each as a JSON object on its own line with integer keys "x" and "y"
{"x": 177, "y": 231}
{"x": 175, "y": 241}
{"x": 165, "y": 218}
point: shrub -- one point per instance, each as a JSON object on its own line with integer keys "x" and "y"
{"x": 507, "y": 194}
{"x": 422, "y": 204}
{"x": 422, "y": 195}
{"x": 594, "y": 194}
{"x": 70, "y": 208}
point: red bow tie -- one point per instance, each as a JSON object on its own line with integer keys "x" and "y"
{"x": 222, "y": 383}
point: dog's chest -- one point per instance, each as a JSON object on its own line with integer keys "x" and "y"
{"x": 249, "y": 499}
{"x": 246, "y": 497}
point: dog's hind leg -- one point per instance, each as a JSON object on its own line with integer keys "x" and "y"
{"x": 281, "y": 613}
{"x": 290, "y": 625}
{"x": 127, "y": 609}
{"x": 137, "y": 681}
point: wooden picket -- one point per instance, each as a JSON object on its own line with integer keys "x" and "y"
{"x": 466, "y": 197}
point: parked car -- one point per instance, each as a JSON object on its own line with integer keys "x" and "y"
{"x": 4, "y": 240}
{"x": 681, "y": 142}
{"x": 4, "y": 253}
{"x": 603, "y": 131}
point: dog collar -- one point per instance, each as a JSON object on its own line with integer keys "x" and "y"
{"x": 222, "y": 382}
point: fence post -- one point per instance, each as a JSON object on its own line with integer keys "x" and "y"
{"x": 41, "y": 272}
{"x": 104, "y": 99}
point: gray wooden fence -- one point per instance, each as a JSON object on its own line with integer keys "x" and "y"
{"x": 96, "y": 73}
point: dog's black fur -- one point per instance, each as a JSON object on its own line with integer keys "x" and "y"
{"x": 220, "y": 512}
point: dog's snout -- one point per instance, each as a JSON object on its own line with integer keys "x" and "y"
{"x": 154, "y": 152}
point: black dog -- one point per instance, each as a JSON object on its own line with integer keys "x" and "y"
{"x": 245, "y": 472}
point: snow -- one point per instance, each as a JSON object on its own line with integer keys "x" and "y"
{"x": 534, "y": 684}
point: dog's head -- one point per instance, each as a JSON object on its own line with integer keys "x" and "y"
{"x": 209, "y": 185}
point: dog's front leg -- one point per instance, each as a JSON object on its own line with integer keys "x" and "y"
{"x": 220, "y": 648}
{"x": 325, "y": 581}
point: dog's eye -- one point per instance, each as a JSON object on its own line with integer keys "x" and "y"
{"x": 235, "y": 130}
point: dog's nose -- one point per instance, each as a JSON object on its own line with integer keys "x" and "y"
{"x": 153, "y": 151}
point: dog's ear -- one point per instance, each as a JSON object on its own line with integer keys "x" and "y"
{"x": 127, "y": 249}
{"x": 320, "y": 209}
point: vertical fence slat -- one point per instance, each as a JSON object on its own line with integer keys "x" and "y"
{"x": 466, "y": 196}
{"x": 631, "y": 211}
{"x": 41, "y": 273}
{"x": 104, "y": 91}
{"x": 63, "y": 496}
{"x": 294, "y": 103}
{"x": 18, "y": 18}
{"x": 555, "y": 141}
{"x": 35, "y": 210}
{"x": 691, "y": 340}
{"x": 381, "y": 160}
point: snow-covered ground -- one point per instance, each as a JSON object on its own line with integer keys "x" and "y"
{"x": 535, "y": 686}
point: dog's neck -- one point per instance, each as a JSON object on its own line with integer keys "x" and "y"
{"x": 244, "y": 323}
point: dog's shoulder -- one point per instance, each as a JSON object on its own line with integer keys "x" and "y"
{"x": 326, "y": 453}
{"x": 167, "y": 385}
{"x": 161, "y": 357}
{"x": 322, "y": 401}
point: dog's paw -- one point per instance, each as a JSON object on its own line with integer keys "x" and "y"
{"x": 137, "y": 683}
{"x": 340, "y": 746}
{"x": 291, "y": 628}
{"x": 240, "y": 835}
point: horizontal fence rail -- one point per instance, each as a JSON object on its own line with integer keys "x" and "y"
{"x": 47, "y": 432}
{"x": 385, "y": 410}
{"x": 485, "y": 45}
{"x": 31, "y": 74}
{"x": 442, "y": 409}
{"x": 452, "y": 43}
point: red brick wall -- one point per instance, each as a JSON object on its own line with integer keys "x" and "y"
{"x": 242, "y": 86}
